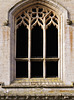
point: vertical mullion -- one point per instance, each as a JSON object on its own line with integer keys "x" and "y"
{"x": 29, "y": 49}
{"x": 44, "y": 48}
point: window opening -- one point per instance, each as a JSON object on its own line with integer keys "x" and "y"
{"x": 22, "y": 42}
{"x": 21, "y": 69}
{"x": 36, "y": 69}
{"x": 37, "y": 42}
{"x": 51, "y": 69}
{"x": 51, "y": 41}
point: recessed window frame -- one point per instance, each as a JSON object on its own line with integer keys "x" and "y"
{"x": 62, "y": 22}
{"x": 44, "y": 59}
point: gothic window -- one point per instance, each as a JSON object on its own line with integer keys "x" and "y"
{"x": 36, "y": 43}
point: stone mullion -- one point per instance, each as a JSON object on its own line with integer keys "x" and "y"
{"x": 44, "y": 48}
{"x": 29, "y": 49}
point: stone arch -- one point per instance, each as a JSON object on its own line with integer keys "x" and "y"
{"x": 62, "y": 15}
{"x": 49, "y": 3}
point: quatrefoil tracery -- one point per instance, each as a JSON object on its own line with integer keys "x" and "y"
{"x": 37, "y": 15}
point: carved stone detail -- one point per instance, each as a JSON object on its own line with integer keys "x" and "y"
{"x": 69, "y": 22}
{"x": 6, "y": 23}
{"x": 36, "y": 15}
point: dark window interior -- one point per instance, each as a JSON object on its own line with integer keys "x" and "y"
{"x": 36, "y": 69}
{"x": 36, "y": 51}
{"x": 51, "y": 69}
{"x": 51, "y": 41}
{"x": 37, "y": 42}
{"x": 21, "y": 69}
{"x": 22, "y": 42}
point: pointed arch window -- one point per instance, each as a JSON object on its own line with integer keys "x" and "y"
{"x": 36, "y": 43}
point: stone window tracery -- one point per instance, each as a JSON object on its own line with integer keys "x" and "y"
{"x": 36, "y": 15}
{"x": 44, "y": 18}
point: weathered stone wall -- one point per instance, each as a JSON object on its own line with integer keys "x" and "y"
{"x": 37, "y": 94}
{"x": 4, "y": 54}
{"x": 69, "y": 52}
{"x": 5, "y": 6}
